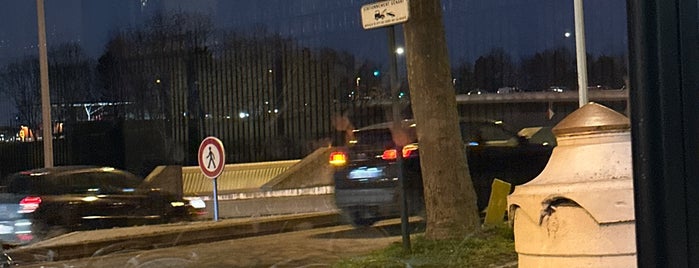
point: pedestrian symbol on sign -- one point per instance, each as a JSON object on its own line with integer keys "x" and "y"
{"x": 212, "y": 159}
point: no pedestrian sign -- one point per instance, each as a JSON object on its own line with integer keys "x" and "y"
{"x": 212, "y": 157}
{"x": 384, "y": 13}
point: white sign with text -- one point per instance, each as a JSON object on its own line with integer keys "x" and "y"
{"x": 384, "y": 13}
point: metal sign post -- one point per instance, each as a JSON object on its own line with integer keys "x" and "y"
{"x": 405, "y": 230}
{"x": 380, "y": 14}
{"x": 212, "y": 160}
{"x": 215, "y": 180}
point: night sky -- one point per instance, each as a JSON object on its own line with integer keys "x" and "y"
{"x": 473, "y": 27}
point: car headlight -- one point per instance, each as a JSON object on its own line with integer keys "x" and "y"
{"x": 177, "y": 204}
{"x": 197, "y": 203}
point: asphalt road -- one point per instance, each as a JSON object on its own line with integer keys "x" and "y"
{"x": 319, "y": 247}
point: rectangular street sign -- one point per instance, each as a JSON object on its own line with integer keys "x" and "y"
{"x": 384, "y": 13}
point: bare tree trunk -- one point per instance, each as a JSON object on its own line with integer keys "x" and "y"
{"x": 450, "y": 198}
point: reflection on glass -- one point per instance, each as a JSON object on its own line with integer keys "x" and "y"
{"x": 137, "y": 85}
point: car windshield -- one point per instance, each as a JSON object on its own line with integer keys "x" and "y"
{"x": 238, "y": 123}
{"x": 383, "y": 135}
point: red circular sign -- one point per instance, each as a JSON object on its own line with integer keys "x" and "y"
{"x": 212, "y": 157}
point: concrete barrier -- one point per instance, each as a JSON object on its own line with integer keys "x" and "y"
{"x": 256, "y": 189}
{"x": 270, "y": 206}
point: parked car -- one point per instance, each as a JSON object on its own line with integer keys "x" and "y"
{"x": 42, "y": 203}
{"x": 366, "y": 174}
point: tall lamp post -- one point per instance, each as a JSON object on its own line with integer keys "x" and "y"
{"x": 45, "y": 97}
{"x": 580, "y": 52}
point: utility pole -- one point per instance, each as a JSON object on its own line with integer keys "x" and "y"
{"x": 45, "y": 96}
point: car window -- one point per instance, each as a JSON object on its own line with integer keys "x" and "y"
{"x": 111, "y": 182}
{"x": 94, "y": 182}
{"x": 375, "y": 137}
{"x": 384, "y": 137}
{"x": 25, "y": 184}
{"x": 494, "y": 135}
{"x": 470, "y": 134}
{"x": 76, "y": 183}
{"x": 475, "y": 134}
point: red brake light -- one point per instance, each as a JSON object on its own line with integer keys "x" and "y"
{"x": 338, "y": 158}
{"x": 29, "y": 204}
{"x": 408, "y": 150}
{"x": 389, "y": 154}
{"x": 25, "y": 237}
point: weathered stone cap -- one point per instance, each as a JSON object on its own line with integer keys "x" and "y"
{"x": 592, "y": 118}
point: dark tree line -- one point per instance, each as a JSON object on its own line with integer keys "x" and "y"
{"x": 553, "y": 67}
{"x": 71, "y": 84}
{"x": 20, "y": 82}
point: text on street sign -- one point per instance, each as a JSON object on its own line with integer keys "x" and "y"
{"x": 384, "y": 13}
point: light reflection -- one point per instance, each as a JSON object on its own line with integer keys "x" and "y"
{"x": 90, "y": 198}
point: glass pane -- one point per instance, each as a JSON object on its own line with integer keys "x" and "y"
{"x": 138, "y": 84}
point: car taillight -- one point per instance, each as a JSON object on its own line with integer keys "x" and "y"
{"x": 389, "y": 154}
{"x": 29, "y": 204}
{"x": 338, "y": 159}
{"x": 408, "y": 151}
{"x": 25, "y": 237}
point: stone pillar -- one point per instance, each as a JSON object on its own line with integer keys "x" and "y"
{"x": 579, "y": 211}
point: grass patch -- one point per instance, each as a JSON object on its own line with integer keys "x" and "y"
{"x": 488, "y": 248}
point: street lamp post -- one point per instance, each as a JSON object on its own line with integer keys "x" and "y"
{"x": 45, "y": 96}
{"x": 580, "y": 51}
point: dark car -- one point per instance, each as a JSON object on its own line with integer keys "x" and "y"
{"x": 366, "y": 180}
{"x": 42, "y": 203}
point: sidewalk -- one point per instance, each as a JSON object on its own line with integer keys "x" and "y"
{"x": 106, "y": 241}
